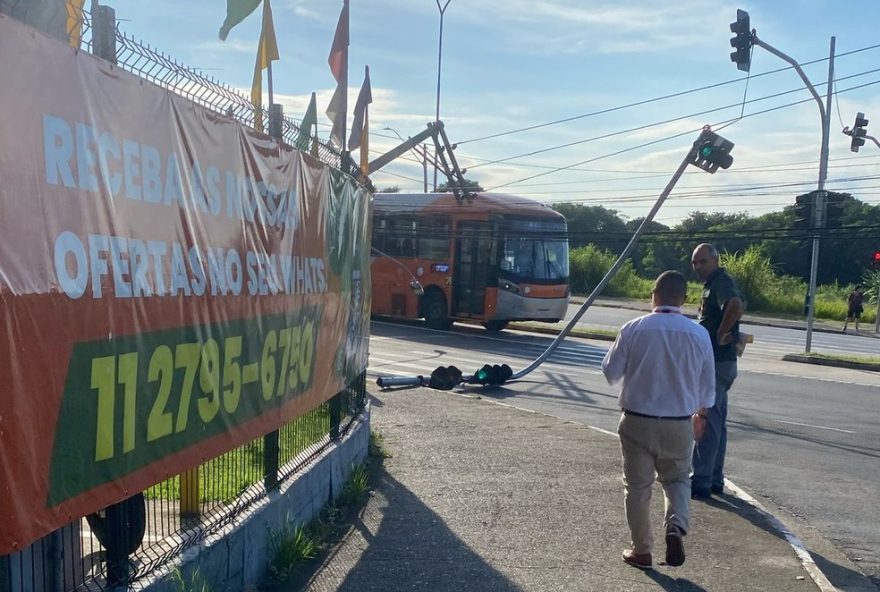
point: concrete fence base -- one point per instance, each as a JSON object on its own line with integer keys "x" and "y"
{"x": 238, "y": 555}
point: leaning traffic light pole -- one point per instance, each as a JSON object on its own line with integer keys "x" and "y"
{"x": 709, "y": 152}
{"x": 743, "y": 42}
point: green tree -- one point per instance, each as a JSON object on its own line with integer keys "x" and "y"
{"x": 468, "y": 184}
{"x": 391, "y": 189}
{"x": 593, "y": 225}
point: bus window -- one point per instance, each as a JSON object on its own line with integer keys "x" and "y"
{"x": 434, "y": 241}
{"x": 400, "y": 235}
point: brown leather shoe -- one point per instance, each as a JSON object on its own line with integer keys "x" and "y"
{"x": 640, "y": 560}
{"x": 674, "y": 546}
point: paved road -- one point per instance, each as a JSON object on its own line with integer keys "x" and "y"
{"x": 768, "y": 339}
{"x": 803, "y": 438}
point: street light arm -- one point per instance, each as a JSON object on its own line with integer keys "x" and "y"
{"x": 797, "y": 68}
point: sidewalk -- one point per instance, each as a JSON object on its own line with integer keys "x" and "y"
{"x": 481, "y": 496}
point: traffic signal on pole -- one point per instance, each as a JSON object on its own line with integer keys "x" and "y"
{"x": 833, "y": 208}
{"x": 803, "y": 211}
{"x": 875, "y": 260}
{"x": 742, "y": 41}
{"x": 858, "y": 132}
{"x": 711, "y": 151}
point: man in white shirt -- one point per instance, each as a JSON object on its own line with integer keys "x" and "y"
{"x": 664, "y": 365}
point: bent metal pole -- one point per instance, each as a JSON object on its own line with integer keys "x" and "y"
{"x": 611, "y": 272}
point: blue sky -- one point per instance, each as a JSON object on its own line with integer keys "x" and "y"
{"x": 519, "y": 63}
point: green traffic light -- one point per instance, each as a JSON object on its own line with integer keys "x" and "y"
{"x": 706, "y": 150}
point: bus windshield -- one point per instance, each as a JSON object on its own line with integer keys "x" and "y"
{"x": 535, "y": 250}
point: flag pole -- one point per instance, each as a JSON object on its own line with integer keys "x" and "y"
{"x": 346, "y": 154}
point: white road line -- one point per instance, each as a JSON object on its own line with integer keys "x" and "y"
{"x": 809, "y": 425}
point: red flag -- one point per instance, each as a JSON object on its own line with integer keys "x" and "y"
{"x": 365, "y": 97}
{"x": 338, "y": 58}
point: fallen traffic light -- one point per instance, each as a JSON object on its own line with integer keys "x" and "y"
{"x": 711, "y": 151}
{"x": 490, "y": 375}
{"x": 444, "y": 378}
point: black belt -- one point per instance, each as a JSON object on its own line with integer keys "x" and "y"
{"x": 675, "y": 417}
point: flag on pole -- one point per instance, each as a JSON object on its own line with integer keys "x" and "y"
{"x": 338, "y": 61}
{"x": 309, "y": 120}
{"x": 236, "y": 11}
{"x": 266, "y": 53}
{"x": 75, "y": 21}
{"x": 358, "y": 125}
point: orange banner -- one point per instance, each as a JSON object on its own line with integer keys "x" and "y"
{"x": 172, "y": 284}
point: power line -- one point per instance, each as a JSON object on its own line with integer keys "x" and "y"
{"x": 659, "y": 123}
{"x": 655, "y": 99}
{"x": 688, "y": 132}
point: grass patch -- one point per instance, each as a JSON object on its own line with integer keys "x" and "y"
{"x": 294, "y": 547}
{"x": 290, "y": 547}
{"x": 356, "y": 487}
{"x": 585, "y": 332}
{"x": 871, "y": 360}
{"x": 377, "y": 448}
{"x": 195, "y": 583}
{"x": 224, "y": 478}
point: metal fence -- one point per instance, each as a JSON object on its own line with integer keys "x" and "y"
{"x": 87, "y": 554}
{"x": 179, "y": 512}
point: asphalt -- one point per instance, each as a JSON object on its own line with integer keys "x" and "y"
{"x": 479, "y": 495}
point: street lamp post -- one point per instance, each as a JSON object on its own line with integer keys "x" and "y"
{"x": 442, "y": 10}
{"x": 423, "y": 156}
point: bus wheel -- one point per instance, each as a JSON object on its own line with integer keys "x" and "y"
{"x": 434, "y": 308}
{"x": 496, "y": 326}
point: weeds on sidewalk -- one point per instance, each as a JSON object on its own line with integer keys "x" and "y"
{"x": 196, "y": 582}
{"x": 295, "y": 548}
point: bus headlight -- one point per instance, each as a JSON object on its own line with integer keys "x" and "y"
{"x": 508, "y": 286}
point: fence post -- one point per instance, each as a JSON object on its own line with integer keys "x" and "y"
{"x": 276, "y": 115}
{"x": 271, "y": 451}
{"x": 189, "y": 495}
{"x": 335, "y": 405}
{"x": 104, "y": 34}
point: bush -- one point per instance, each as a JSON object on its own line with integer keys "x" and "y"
{"x": 588, "y": 265}
{"x": 753, "y": 273}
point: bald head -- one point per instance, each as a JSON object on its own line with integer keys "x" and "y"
{"x": 705, "y": 260}
{"x": 670, "y": 289}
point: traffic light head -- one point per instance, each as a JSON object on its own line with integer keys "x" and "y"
{"x": 876, "y": 256}
{"x": 858, "y": 132}
{"x": 742, "y": 41}
{"x": 803, "y": 211}
{"x": 491, "y": 375}
{"x": 711, "y": 151}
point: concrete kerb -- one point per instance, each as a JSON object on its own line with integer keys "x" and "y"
{"x": 806, "y": 359}
{"x": 797, "y": 546}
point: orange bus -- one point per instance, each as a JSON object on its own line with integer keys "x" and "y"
{"x": 491, "y": 259}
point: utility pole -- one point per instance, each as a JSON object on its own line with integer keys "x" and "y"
{"x": 742, "y": 42}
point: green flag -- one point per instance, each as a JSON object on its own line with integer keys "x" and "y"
{"x": 310, "y": 119}
{"x": 236, "y": 11}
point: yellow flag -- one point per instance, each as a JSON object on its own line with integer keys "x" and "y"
{"x": 365, "y": 143}
{"x": 75, "y": 21}
{"x": 266, "y": 53}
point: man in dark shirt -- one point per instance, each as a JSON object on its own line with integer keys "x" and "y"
{"x": 721, "y": 307}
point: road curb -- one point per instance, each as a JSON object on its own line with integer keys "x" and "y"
{"x": 805, "y": 359}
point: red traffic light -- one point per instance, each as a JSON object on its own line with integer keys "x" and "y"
{"x": 876, "y": 256}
